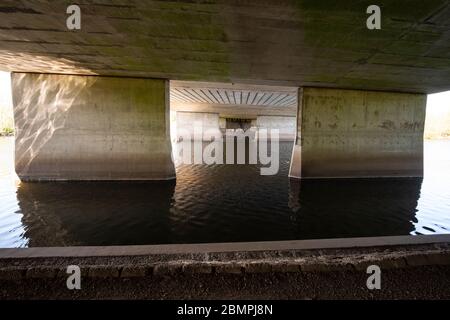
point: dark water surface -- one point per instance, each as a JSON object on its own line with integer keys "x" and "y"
{"x": 222, "y": 203}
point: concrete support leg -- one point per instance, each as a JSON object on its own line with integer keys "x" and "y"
{"x": 91, "y": 128}
{"x": 295, "y": 171}
{"x": 351, "y": 134}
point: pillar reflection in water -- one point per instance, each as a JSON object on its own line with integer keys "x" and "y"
{"x": 62, "y": 214}
{"x": 217, "y": 203}
{"x": 354, "y": 207}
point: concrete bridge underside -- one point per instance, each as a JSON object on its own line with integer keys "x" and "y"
{"x": 221, "y": 106}
{"x": 105, "y": 116}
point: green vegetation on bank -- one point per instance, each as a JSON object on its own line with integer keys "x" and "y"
{"x": 6, "y": 132}
{"x": 437, "y": 136}
{"x": 437, "y": 125}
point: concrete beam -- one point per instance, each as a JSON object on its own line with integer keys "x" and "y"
{"x": 283, "y": 42}
{"x": 91, "y": 128}
{"x": 235, "y": 111}
{"x": 349, "y": 133}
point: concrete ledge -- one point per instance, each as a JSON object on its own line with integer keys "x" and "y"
{"x": 204, "y": 248}
{"x": 304, "y": 258}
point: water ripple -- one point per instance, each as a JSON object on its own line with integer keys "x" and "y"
{"x": 218, "y": 203}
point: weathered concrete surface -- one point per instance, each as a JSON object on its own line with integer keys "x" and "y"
{"x": 232, "y": 94}
{"x": 349, "y": 133}
{"x": 295, "y": 171}
{"x": 414, "y": 271}
{"x": 205, "y": 249}
{"x": 91, "y": 128}
{"x": 300, "y": 43}
{"x": 287, "y": 126}
{"x": 235, "y": 111}
{"x": 232, "y": 100}
{"x": 197, "y": 125}
{"x": 208, "y": 124}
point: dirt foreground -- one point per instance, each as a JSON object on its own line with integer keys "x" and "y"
{"x": 407, "y": 272}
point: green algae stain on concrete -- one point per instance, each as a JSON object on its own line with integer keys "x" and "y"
{"x": 186, "y": 40}
{"x": 336, "y": 30}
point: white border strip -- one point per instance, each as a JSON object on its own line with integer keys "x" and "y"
{"x": 105, "y": 251}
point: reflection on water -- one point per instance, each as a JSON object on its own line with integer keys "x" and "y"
{"x": 58, "y": 214}
{"x": 433, "y": 210}
{"x": 355, "y": 207}
{"x": 218, "y": 203}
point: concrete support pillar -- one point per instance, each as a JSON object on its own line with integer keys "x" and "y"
{"x": 351, "y": 134}
{"x": 295, "y": 171}
{"x": 91, "y": 128}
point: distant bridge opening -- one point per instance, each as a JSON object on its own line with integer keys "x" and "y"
{"x": 225, "y": 108}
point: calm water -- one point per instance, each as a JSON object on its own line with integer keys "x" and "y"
{"x": 222, "y": 203}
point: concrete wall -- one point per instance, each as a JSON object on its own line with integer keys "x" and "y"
{"x": 348, "y": 133}
{"x": 91, "y": 128}
{"x": 287, "y": 126}
{"x": 222, "y": 123}
{"x": 185, "y": 122}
